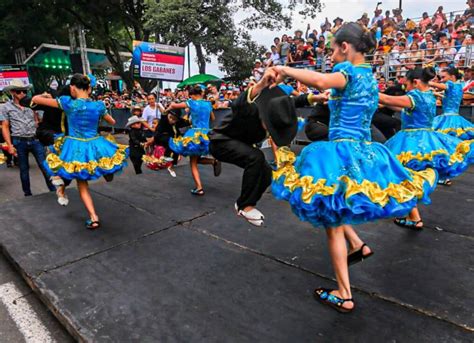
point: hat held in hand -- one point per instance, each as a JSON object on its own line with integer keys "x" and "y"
{"x": 278, "y": 114}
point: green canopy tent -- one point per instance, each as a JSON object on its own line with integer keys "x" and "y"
{"x": 200, "y": 79}
{"x": 53, "y": 60}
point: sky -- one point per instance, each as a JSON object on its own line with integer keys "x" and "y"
{"x": 349, "y": 10}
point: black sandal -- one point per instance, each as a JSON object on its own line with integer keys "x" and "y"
{"x": 324, "y": 296}
{"x": 109, "y": 177}
{"x": 409, "y": 224}
{"x": 196, "y": 191}
{"x": 358, "y": 256}
{"x": 446, "y": 182}
{"x": 92, "y": 224}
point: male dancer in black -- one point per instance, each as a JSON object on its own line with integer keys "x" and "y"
{"x": 234, "y": 139}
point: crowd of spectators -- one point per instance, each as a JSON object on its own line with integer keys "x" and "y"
{"x": 402, "y": 42}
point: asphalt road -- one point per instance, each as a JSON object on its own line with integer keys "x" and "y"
{"x": 23, "y": 317}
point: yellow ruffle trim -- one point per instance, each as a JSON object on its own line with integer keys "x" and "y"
{"x": 105, "y": 163}
{"x": 402, "y": 192}
{"x": 459, "y": 154}
{"x": 196, "y": 139}
{"x": 3, "y": 158}
{"x": 458, "y": 132}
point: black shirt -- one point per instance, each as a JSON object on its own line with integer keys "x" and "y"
{"x": 165, "y": 130}
{"x": 243, "y": 122}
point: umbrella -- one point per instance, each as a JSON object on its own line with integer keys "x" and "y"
{"x": 198, "y": 79}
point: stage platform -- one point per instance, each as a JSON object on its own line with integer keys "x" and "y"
{"x": 170, "y": 267}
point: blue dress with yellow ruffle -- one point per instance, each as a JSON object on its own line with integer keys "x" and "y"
{"x": 83, "y": 154}
{"x": 195, "y": 141}
{"x": 450, "y": 122}
{"x": 349, "y": 179}
{"x": 419, "y": 147}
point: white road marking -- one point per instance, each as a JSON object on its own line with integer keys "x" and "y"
{"x": 23, "y": 315}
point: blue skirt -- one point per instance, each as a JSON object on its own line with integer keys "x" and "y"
{"x": 419, "y": 149}
{"x": 85, "y": 159}
{"x": 195, "y": 142}
{"x": 454, "y": 125}
{"x": 348, "y": 182}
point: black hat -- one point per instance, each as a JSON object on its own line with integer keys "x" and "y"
{"x": 176, "y": 113}
{"x": 278, "y": 113}
{"x": 338, "y": 18}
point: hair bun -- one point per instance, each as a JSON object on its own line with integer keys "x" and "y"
{"x": 428, "y": 74}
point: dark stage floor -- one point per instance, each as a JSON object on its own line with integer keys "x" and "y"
{"x": 170, "y": 267}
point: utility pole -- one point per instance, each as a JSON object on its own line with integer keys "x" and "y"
{"x": 400, "y": 4}
{"x": 189, "y": 60}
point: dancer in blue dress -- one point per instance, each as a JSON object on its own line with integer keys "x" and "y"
{"x": 417, "y": 145}
{"x": 195, "y": 142}
{"x": 349, "y": 179}
{"x": 83, "y": 154}
{"x": 450, "y": 121}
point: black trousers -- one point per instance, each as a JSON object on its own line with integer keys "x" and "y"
{"x": 387, "y": 124}
{"x": 257, "y": 173}
{"x": 136, "y": 158}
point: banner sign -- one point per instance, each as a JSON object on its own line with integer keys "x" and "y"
{"x": 158, "y": 61}
{"x": 10, "y": 72}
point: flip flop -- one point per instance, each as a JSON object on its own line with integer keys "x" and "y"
{"x": 324, "y": 296}
{"x": 92, "y": 224}
{"x": 199, "y": 192}
{"x": 446, "y": 182}
{"x": 358, "y": 256}
{"x": 409, "y": 224}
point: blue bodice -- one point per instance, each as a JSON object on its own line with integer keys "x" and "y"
{"x": 352, "y": 108}
{"x": 452, "y": 97}
{"x": 83, "y": 116}
{"x": 422, "y": 112}
{"x": 200, "y": 113}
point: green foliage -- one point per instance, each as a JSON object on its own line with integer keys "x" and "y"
{"x": 26, "y": 24}
{"x": 112, "y": 25}
{"x": 238, "y": 60}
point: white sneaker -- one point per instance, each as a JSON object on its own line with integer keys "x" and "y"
{"x": 57, "y": 181}
{"x": 62, "y": 199}
{"x": 172, "y": 172}
{"x": 254, "y": 216}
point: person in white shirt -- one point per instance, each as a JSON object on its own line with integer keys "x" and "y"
{"x": 258, "y": 71}
{"x": 463, "y": 52}
{"x": 275, "y": 56}
{"x": 151, "y": 112}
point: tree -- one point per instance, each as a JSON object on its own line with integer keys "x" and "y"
{"x": 238, "y": 60}
{"x": 111, "y": 24}
{"x": 210, "y": 27}
{"x": 26, "y": 24}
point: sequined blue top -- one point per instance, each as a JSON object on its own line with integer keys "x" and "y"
{"x": 422, "y": 112}
{"x": 352, "y": 108}
{"x": 83, "y": 116}
{"x": 200, "y": 113}
{"x": 452, "y": 97}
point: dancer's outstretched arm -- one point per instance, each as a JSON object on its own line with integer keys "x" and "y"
{"x": 46, "y": 100}
{"x": 437, "y": 85}
{"x": 311, "y": 78}
{"x": 395, "y": 102}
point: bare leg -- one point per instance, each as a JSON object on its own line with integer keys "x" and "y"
{"x": 338, "y": 252}
{"x": 355, "y": 243}
{"x": 195, "y": 171}
{"x": 83, "y": 188}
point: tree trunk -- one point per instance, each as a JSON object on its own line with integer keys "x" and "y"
{"x": 201, "y": 59}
